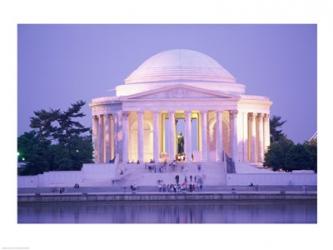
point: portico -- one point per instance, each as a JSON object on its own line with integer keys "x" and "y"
{"x": 148, "y": 136}
{"x": 139, "y": 123}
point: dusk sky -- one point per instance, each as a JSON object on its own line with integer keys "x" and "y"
{"x": 60, "y": 64}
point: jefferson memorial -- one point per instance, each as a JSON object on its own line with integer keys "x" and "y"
{"x": 179, "y": 115}
{"x": 180, "y": 105}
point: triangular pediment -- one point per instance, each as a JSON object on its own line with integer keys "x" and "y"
{"x": 180, "y": 91}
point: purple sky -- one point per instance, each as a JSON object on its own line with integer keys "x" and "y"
{"x": 59, "y": 64}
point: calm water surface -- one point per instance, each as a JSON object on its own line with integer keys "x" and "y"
{"x": 170, "y": 212}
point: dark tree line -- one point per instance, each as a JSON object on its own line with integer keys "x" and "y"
{"x": 284, "y": 154}
{"x": 57, "y": 141}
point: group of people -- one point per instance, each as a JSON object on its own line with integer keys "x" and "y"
{"x": 193, "y": 184}
{"x": 160, "y": 168}
{"x": 163, "y": 167}
{"x": 178, "y": 188}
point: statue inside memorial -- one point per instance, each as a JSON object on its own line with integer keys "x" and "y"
{"x": 180, "y": 147}
{"x": 180, "y": 144}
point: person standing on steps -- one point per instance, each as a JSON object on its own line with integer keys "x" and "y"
{"x": 177, "y": 179}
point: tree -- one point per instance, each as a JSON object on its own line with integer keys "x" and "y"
{"x": 43, "y": 123}
{"x": 297, "y": 158}
{"x": 311, "y": 147}
{"x": 285, "y": 155}
{"x": 69, "y": 128}
{"x": 74, "y": 154}
{"x": 34, "y": 151}
{"x": 276, "y": 133}
{"x": 25, "y": 144}
{"x": 58, "y": 141}
{"x": 275, "y": 156}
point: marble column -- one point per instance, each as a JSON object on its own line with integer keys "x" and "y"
{"x": 245, "y": 137}
{"x": 219, "y": 136}
{"x": 204, "y": 151}
{"x": 267, "y": 133}
{"x": 100, "y": 139}
{"x": 234, "y": 135}
{"x": 260, "y": 138}
{"x": 162, "y": 133}
{"x": 171, "y": 135}
{"x": 116, "y": 136}
{"x": 125, "y": 136}
{"x": 107, "y": 151}
{"x": 119, "y": 136}
{"x": 199, "y": 132}
{"x": 253, "y": 137}
{"x": 140, "y": 136}
{"x": 188, "y": 136}
{"x": 95, "y": 137}
{"x": 112, "y": 140}
{"x": 156, "y": 136}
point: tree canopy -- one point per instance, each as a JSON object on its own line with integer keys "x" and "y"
{"x": 284, "y": 154}
{"x": 275, "y": 156}
{"x": 275, "y": 124}
{"x": 57, "y": 141}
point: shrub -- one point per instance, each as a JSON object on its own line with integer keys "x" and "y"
{"x": 275, "y": 156}
{"x": 298, "y": 157}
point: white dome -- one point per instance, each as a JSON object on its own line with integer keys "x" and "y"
{"x": 180, "y": 65}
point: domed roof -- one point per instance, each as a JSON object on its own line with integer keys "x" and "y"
{"x": 180, "y": 65}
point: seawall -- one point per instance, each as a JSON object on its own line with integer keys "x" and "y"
{"x": 158, "y": 196}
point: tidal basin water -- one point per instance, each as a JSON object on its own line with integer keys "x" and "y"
{"x": 281, "y": 211}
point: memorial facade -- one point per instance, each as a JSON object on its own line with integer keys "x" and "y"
{"x": 141, "y": 122}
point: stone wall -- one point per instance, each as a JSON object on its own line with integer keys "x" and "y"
{"x": 272, "y": 179}
{"x": 27, "y": 181}
{"x": 103, "y": 174}
{"x": 90, "y": 175}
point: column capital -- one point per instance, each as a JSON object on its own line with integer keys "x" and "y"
{"x": 219, "y": 112}
{"x": 113, "y": 114}
{"x": 233, "y": 112}
{"x": 260, "y": 115}
{"x": 188, "y": 115}
{"x": 124, "y": 114}
{"x": 141, "y": 112}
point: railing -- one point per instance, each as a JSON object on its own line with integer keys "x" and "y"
{"x": 230, "y": 165}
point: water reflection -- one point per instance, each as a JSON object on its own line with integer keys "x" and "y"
{"x": 169, "y": 212}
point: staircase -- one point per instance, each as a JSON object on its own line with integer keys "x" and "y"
{"x": 248, "y": 168}
{"x": 212, "y": 173}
